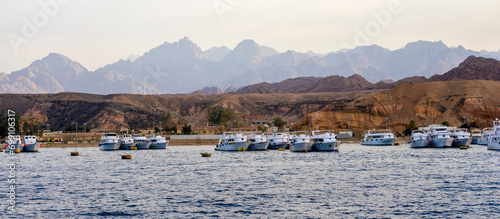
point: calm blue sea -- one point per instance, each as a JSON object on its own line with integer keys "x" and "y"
{"x": 357, "y": 181}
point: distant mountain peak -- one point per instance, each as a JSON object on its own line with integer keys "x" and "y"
{"x": 248, "y": 43}
{"x": 426, "y": 44}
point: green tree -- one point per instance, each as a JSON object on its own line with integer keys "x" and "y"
{"x": 413, "y": 125}
{"x": 186, "y": 129}
{"x": 218, "y": 115}
{"x": 279, "y": 122}
{"x": 261, "y": 129}
{"x": 445, "y": 123}
{"x": 168, "y": 123}
{"x": 410, "y": 128}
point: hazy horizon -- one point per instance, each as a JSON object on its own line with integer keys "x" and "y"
{"x": 97, "y": 33}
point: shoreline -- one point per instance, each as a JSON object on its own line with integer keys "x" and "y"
{"x": 178, "y": 143}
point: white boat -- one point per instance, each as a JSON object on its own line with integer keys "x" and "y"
{"x": 475, "y": 135}
{"x": 419, "y": 139}
{"x": 324, "y": 140}
{"x": 485, "y": 138}
{"x": 158, "y": 142}
{"x": 494, "y": 143}
{"x": 461, "y": 137}
{"x": 31, "y": 144}
{"x": 301, "y": 142}
{"x": 494, "y": 140}
{"x": 258, "y": 142}
{"x": 382, "y": 137}
{"x": 232, "y": 141}
{"x": 278, "y": 140}
{"x": 126, "y": 142}
{"x": 440, "y": 136}
{"x": 14, "y": 144}
{"x": 142, "y": 143}
{"x": 109, "y": 142}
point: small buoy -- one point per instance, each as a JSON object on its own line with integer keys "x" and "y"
{"x": 75, "y": 153}
{"x": 464, "y": 147}
{"x": 206, "y": 154}
{"x": 396, "y": 143}
{"x": 303, "y": 150}
{"x": 127, "y": 156}
{"x": 241, "y": 149}
{"x": 133, "y": 148}
{"x": 17, "y": 151}
{"x": 1, "y": 150}
{"x": 215, "y": 149}
{"x": 282, "y": 149}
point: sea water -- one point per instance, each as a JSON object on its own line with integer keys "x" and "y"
{"x": 357, "y": 181}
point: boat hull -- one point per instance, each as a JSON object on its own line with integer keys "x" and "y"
{"x": 127, "y": 146}
{"x": 460, "y": 142}
{"x": 14, "y": 147}
{"x": 422, "y": 143}
{"x": 258, "y": 146}
{"x": 377, "y": 142}
{"x": 494, "y": 146}
{"x": 441, "y": 142}
{"x": 482, "y": 141}
{"x": 277, "y": 145}
{"x": 143, "y": 145}
{"x": 233, "y": 146}
{"x": 326, "y": 146}
{"x": 301, "y": 147}
{"x": 109, "y": 146}
{"x": 474, "y": 140}
{"x": 32, "y": 147}
{"x": 162, "y": 145}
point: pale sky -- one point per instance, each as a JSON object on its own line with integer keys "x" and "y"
{"x": 100, "y": 32}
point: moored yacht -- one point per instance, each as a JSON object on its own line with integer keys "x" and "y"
{"x": 440, "y": 136}
{"x": 14, "y": 144}
{"x": 258, "y": 142}
{"x": 109, "y": 142}
{"x": 475, "y": 136}
{"x": 494, "y": 143}
{"x": 233, "y": 141}
{"x": 301, "y": 142}
{"x": 324, "y": 140}
{"x": 158, "y": 142}
{"x": 461, "y": 137}
{"x": 126, "y": 142}
{"x": 31, "y": 144}
{"x": 419, "y": 139}
{"x": 278, "y": 140}
{"x": 485, "y": 137}
{"x": 142, "y": 143}
{"x": 382, "y": 137}
{"x": 494, "y": 140}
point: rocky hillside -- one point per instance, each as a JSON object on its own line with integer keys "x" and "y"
{"x": 105, "y": 112}
{"x": 441, "y": 100}
{"x": 473, "y": 68}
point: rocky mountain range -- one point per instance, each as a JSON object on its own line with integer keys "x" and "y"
{"x": 183, "y": 67}
{"x": 473, "y": 68}
{"x": 446, "y": 97}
